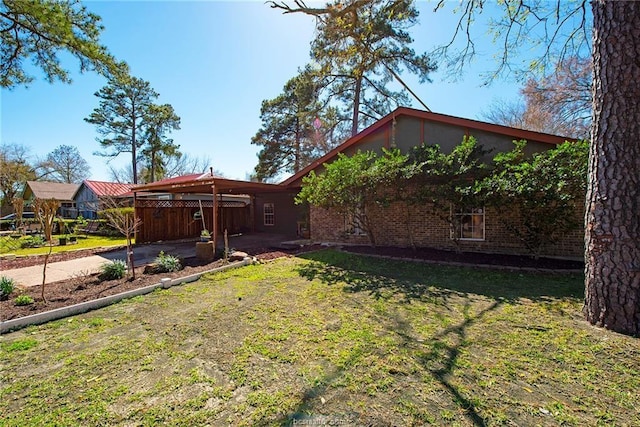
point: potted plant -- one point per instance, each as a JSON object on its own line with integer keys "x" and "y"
{"x": 205, "y": 236}
{"x": 73, "y": 238}
{"x": 62, "y": 239}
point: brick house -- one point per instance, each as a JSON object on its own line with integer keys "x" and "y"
{"x": 483, "y": 229}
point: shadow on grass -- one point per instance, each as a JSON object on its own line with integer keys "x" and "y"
{"x": 410, "y": 281}
{"x": 445, "y": 356}
{"x": 421, "y": 281}
{"x": 436, "y": 355}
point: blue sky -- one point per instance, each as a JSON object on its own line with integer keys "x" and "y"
{"x": 214, "y": 62}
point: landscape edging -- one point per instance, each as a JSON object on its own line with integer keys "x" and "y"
{"x": 62, "y": 312}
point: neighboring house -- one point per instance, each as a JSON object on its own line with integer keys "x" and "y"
{"x": 90, "y": 193}
{"x": 401, "y": 225}
{"x": 62, "y": 192}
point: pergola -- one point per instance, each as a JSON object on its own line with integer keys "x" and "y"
{"x": 207, "y": 184}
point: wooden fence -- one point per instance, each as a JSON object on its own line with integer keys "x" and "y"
{"x": 178, "y": 219}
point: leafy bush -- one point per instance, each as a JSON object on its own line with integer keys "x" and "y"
{"x": 113, "y": 270}
{"x": 23, "y": 300}
{"x": 7, "y": 285}
{"x": 33, "y": 241}
{"x": 104, "y": 214}
{"x": 109, "y": 232}
{"x": 167, "y": 263}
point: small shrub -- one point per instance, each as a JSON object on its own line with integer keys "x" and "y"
{"x": 167, "y": 263}
{"x": 33, "y": 242}
{"x": 110, "y": 232}
{"x": 23, "y": 300}
{"x": 113, "y": 270}
{"x": 104, "y": 214}
{"x": 79, "y": 224}
{"x": 7, "y": 285}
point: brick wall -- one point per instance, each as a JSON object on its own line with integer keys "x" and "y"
{"x": 408, "y": 225}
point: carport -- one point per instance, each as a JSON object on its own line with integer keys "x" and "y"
{"x": 168, "y": 214}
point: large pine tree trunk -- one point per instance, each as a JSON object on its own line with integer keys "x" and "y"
{"x": 612, "y": 220}
{"x": 134, "y": 155}
{"x": 356, "y": 106}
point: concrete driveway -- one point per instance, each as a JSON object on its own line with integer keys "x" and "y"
{"x": 62, "y": 270}
{"x": 142, "y": 255}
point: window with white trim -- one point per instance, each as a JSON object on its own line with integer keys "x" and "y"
{"x": 469, "y": 224}
{"x": 269, "y": 214}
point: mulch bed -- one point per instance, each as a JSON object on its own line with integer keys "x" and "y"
{"x": 475, "y": 258}
{"x": 88, "y": 287}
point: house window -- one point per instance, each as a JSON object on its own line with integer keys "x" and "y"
{"x": 469, "y": 224}
{"x": 269, "y": 214}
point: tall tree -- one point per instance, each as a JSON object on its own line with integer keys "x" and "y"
{"x": 292, "y": 122}
{"x": 65, "y": 164}
{"x": 564, "y": 97}
{"x": 612, "y": 222}
{"x": 360, "y": 47}
{"x": 612, "y": 225}
{"x": 38, "y": 30}
{"x": 181, "y": 164}
{"x": 124, "y": 105}
{"x": 160, "y": 120}
{"x": 558, "y": 104}
{"x": 186, "y": 163}
{"x": 15, "y": 170}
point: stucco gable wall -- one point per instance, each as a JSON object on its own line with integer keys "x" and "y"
{"x": 412, "y": 131}
{"x": 373, "y": 142}
{"x": 408, "y": 132}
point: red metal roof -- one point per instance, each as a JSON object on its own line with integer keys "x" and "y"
{"x": 112, "y": 189}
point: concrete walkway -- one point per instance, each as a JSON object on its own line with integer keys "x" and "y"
{"x": 62, "y": 270}
{"x": 142, "y": 255}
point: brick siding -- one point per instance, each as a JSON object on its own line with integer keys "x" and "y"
{"x": 405, "y": 225}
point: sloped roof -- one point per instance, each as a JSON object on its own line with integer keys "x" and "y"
{"x": 112, "y": 189}
{"x": 204, "y": 184}
{"x": 52, "y": 190}
{"x": 182, "y": 178}
{"x": 116, "y": 189}
{"x": 433, "y": 117}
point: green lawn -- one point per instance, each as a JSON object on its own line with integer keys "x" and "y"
{"x": 334, "y": 338}
{"x": 10, "y": 245}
